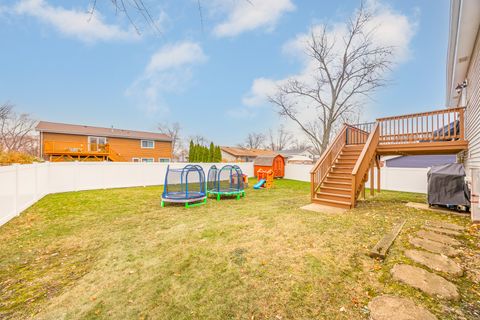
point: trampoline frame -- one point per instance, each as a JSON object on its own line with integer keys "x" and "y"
{"x": 189, "y": 202}
{"x": 237, "y": 193}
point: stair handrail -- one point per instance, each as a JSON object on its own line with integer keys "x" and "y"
{"x": 362, "y": 165}
{"x": 328, "y": 157}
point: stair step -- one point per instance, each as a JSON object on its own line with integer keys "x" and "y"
{"x": 346, "y": 177}
{"x": 354, "y": 146}
{"x": 333, "y": 203}
{"x": 349, "y": 161}
{"x": 335, "y": 190}
{"x": 349, "y": 156}
{"x": 342, "y": 170}
{"x": 330, "y": 184}
{"x": 333, "y": 196}
{"x": 344, "y": 165}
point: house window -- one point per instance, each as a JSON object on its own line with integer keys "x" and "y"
{"x": 97, "y": 144}
{"x": 163, "y": 160}
{"x": 135, "y": 159}
{"x": 148, "y": 160}
{"x": 147, "y": 144}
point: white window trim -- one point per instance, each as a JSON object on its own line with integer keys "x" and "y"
{"x": 160, "y": 160}
{"x": 153, "y": 145}
{"x": 141, "y": 160}
{"x": 137, "y": 159}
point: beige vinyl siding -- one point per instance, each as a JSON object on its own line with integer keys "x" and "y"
{"x": 472, "y": 125}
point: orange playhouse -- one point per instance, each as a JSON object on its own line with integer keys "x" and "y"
{"x": 265, "y": 179}
{"x": 276, "y": 163}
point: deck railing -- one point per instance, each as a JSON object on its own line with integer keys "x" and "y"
{"x": 358, "y": 133}
{"x": 432, "y": 126}
{"x": 66, "y": 147}
{"x": 328, "y": 157}
{"x": 360, "y": 171}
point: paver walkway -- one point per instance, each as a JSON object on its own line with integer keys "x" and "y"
{"x": 442, "y": 230}
{"x": 438, "y": 237}
{"x": 425, "y": 281}
{"x": 388, "y": 307}
{"x": 444, "y": 225}
{"x": 435, "y": 247}
{"x": 435, "y": 261}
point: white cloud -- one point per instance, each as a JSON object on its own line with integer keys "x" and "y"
{"x": 169, "y": 70}
{"x": 261, "y": 88}
{"x": 391, "y": 29}
{"x": 74, "y": 23}
{"x": 249, "y": 15}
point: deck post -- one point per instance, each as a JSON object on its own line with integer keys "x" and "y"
{"x": 372, "y": 178}
{"x": 377, "y": 160}
{"x": 363, "y": 192}
{"x": 462, "y": 123}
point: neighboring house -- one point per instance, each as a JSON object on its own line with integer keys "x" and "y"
{"x": 69, "y": 142}
{"x": 237, "y": 154}
{"x": 463, "y": 72}
{"x": 299, "y": 160}
{"x": 420, "y": 161}
{"x": 298, "y": 156}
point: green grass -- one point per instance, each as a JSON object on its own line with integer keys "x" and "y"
{"x": 116, "y": 254}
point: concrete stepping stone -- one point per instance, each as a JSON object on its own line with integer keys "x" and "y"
{"x": 425, "y": 281}
{"x": 438, "y": 237}
{"x": 444, "y": 231}
{"x": 444, "y": 225}
{"x": 389, "y": 307}
{"x": 435, "y": 262}
{"x": 435, "y": 247}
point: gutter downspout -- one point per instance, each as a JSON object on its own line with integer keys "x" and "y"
{"x": 454, "y": 61}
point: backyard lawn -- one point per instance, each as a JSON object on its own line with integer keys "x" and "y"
{"x": 116, "y": 254}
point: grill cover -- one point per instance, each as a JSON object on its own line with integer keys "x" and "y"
{"x": 446, "y": 185}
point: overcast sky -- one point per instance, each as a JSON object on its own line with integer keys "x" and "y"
{"x": 62, "y": 64}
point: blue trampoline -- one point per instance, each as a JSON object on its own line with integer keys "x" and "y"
{"x": 225, "y": 181}
{"x": 185, "y": 185}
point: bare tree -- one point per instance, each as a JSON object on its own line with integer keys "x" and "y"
{"x": 5, "y": 110}
{"x": 279, "y": 140}
{"x": 16, "y": 131}
{"x": 173, "y": 130}
{"x": 131, "y": 9}
{"x": 300, "y": 145}
{"x": 199, "y": 139}
{"x": 254, "y": 140}
{"x": 346, "y": 70}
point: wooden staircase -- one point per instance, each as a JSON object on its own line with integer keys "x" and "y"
{"x": 339, "y": 176}
{"x": 336, "y": 188}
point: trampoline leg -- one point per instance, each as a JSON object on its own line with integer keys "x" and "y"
{"x": 238, "y": 196}
{"x": 218, "y": 197}
{"x": 162, "y": 204}
{"x": 187, "y": 205}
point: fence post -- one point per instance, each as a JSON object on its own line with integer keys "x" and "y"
{"x": 75, "y": 175}
{"x": 15, "y": 203}
{"x": 35, "y": 170}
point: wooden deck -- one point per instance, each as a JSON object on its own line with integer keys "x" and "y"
{"x": 339, "y": 177}
{"x": 419, "y": 148}
{"x": 74, "y": 151}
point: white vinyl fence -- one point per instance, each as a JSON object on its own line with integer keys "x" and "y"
{"x": 403, "y": 179}
{"x": 396, "y": 179}
{"x": 23, "y": 185}
{"x": 300, "y": 172}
